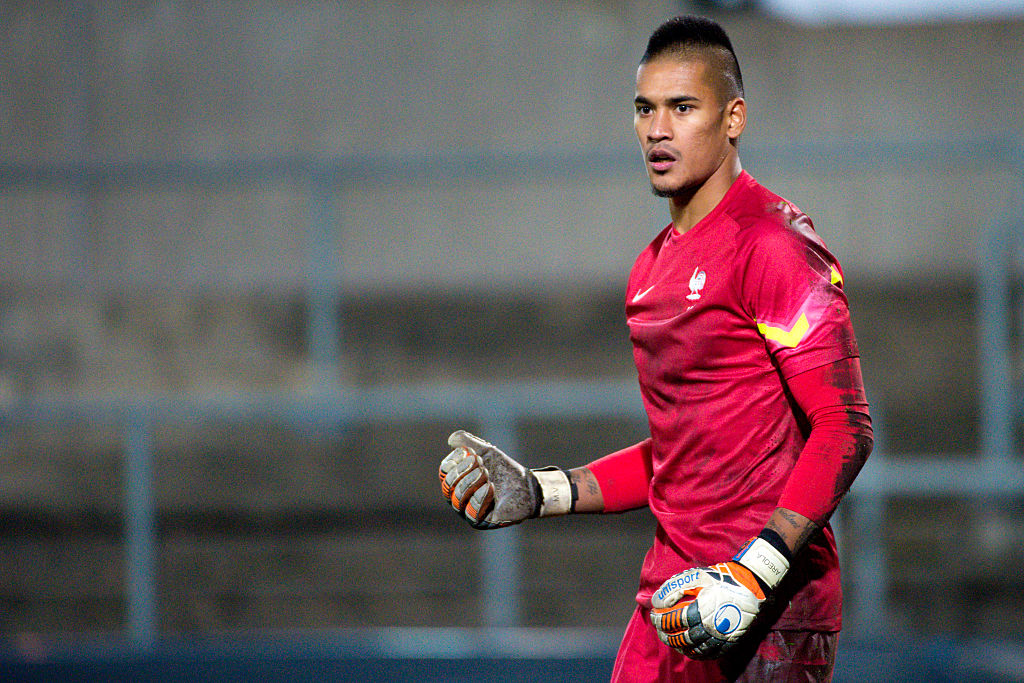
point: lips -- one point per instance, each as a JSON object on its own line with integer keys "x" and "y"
{"x": 660, "y": 160}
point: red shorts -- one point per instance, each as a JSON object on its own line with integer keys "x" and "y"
{"x": 789, "y": 656}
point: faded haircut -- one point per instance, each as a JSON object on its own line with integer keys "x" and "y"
{"x": 693, "y": 37}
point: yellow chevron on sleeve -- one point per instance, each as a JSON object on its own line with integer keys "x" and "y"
{"x": 836, "y": 277}
{"x": 783, "y": 336}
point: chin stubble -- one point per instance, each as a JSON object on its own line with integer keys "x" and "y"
{"x": 667, "y": 193}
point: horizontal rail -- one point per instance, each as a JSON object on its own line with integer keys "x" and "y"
{"x": 838, "y": 154}
{"x": 526, "y": 399}
{"x": 953, "y": 474}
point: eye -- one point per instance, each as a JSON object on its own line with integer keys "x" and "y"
{"x": 643, "y": 109}
{"x": 683, "y": 108}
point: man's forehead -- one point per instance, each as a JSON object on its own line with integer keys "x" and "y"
{"x": 673, "y": 74}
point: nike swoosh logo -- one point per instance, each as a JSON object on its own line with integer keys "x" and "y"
{"x": 641, "y": 294}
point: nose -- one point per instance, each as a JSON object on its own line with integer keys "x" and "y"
{"x": 660, "y": 128}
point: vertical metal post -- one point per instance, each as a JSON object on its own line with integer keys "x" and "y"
{"x": 997, "y": 386}
{"x": 863, "y": 528}
{"x": 997, "y": 265}
{"x": 322, "y": 326}
{"x": 140, "y": 531}
{"x": 867, "y": 606}
{"x": 77, "y": 83}
{"x": 500, "y": 549}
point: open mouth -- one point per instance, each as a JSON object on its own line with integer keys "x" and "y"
{"x": 660, "y": 160}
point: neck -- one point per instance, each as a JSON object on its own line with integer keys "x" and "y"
{"x": 689, "y": 208}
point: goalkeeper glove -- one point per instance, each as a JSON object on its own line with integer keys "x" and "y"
{"x": 704, "y": 612}
{"x": 491, "y": 490}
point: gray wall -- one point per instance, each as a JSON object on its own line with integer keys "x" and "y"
{"x": 399, "y": 80}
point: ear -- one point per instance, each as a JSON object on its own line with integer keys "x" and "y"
{"x": 736, "y": 117}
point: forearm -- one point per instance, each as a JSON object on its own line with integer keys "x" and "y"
{"x": 834, "y": 454}
{"x": 624, "y": 473}
{"x": 617, "y": 482}
{"x": 590, "y": 499}
{"x": 793, "y": 528}
{"x": 837, "y": 447}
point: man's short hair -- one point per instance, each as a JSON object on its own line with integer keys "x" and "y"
{"x": 689, "y": 37}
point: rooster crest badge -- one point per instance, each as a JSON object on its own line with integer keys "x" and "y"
{"x": 697, "y": 281}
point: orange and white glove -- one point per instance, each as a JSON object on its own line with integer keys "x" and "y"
{"x": 703, "y": 612}
{"x": 491, "y": 490}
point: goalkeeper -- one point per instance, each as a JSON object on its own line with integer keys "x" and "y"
{"x": 750, "y": 376}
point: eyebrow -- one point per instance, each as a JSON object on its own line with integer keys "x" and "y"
{"x": 678, "y": 99}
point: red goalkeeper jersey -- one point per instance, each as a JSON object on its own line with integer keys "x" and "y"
{"x": 719, "y": 317}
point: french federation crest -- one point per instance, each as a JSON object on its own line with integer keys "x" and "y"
{"x": 697, "y": 281}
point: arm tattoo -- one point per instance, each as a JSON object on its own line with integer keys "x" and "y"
{"x": 583, "y": 478}
{"x": 794, "y": 529}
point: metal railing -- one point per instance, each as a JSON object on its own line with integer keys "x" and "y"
{"x": 500, "y": 408}
{"x": 497, "y": 408}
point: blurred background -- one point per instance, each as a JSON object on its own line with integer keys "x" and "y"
{"x": 259, "y": 259}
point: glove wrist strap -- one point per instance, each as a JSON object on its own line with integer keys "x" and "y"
{"x": 558, "y": 493}
{"x": 764, "y": 561}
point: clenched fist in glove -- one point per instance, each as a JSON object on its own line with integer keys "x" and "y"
{"x": 703, "y": 612}
{"x": 491, "y": 490}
